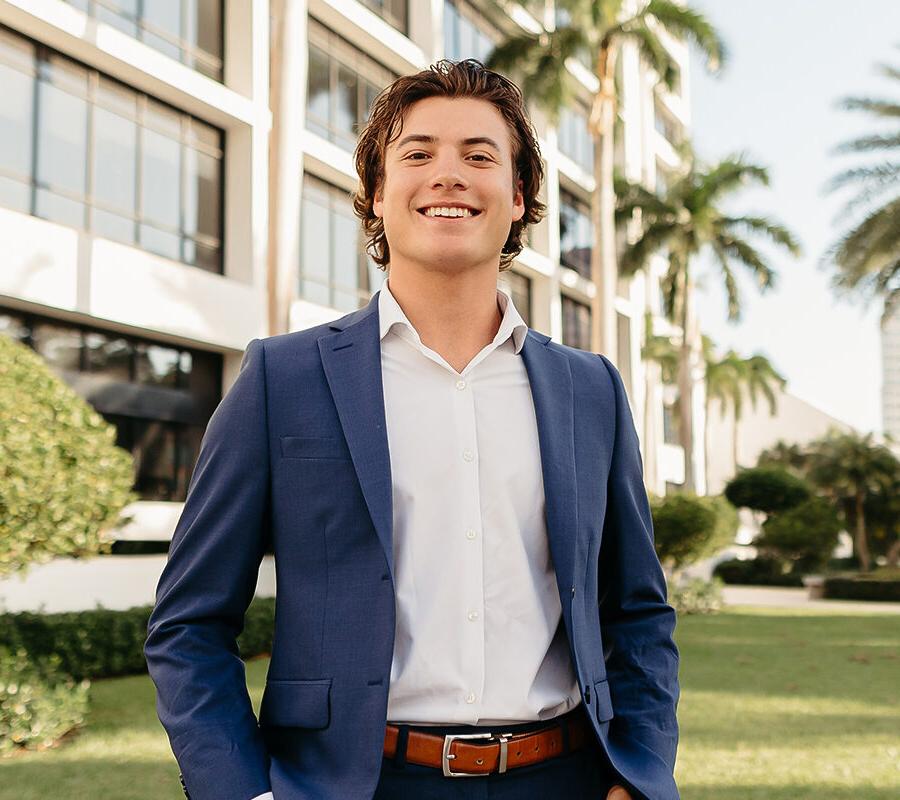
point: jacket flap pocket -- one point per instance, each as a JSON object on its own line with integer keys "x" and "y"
{"x": 296, "y": 704}
{"x": 603, "y": 701}
{"x": 313, "y": 447}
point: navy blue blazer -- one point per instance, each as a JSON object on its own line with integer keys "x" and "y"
{"x": 296, "y": 457}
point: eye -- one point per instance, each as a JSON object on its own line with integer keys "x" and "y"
{"x": 481, "y": 156}
{"x": 416, "y": 153}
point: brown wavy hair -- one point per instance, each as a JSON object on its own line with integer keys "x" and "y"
{"x": 454, "y": 79}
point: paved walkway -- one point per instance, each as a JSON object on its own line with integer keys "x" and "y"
{"x": 786, "y": 597}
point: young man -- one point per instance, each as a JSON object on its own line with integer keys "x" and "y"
{"x": 466, "y": 579}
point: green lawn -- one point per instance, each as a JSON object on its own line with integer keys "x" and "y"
{"x": 775, "y": 704}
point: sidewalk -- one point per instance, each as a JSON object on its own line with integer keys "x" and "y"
{"x": 786, "y": 597}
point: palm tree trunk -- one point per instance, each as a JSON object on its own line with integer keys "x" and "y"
{"x": 603, "y": 208}
{"x": 734, "y": 440}
{"x": 861, "y": 542}
{"x": 685, "y": 378}
{"x": 650, "y": 441}
{"x": 893, "y": 554}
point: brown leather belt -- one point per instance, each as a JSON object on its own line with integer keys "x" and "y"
{"x": 484, "y": 753}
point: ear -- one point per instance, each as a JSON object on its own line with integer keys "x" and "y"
{"x": 378, "y": 203}
{"x": 518, "y": 210}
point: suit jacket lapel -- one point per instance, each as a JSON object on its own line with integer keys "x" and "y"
{"x": 551, "y": 389}
{"x": 351, "y": 358}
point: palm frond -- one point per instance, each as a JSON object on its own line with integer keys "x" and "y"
{"x": 692, "y": 27}
{"x": 726, "y": 176}
{"x": 763, "y": 226}
{"x": 732, "y": 293}
{"x": 867, "y": 144}
{"x": 880, "y": 108}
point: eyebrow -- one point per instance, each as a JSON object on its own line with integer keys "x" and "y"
{"x": 421, "y": 137}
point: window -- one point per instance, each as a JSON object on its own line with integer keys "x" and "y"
{"x": 393, "y": 12}
{"x": 519, "y": 288}
{"x": 665, "y": 124}
{"x": 670, "y": 424}
{"x": 576, "y": 318}
{"x": 575, "y": 138}
{"x": 465, "y": 32}
{"x": 576, "y": 234}
{"x": 335, "y": 270}
{"x": 84, "y": 150}
{"x": 342, "y": 84}
{"x": 159, "y": 396}
{"x": 190, "y": 31}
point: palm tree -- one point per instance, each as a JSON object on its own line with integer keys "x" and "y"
{"x": 685, "y": 220}
{"x": 868, "y": 255}
{"x": 728, "y": 379}
{"x": 851, "y": 468}
{"x": 600, "y": 28}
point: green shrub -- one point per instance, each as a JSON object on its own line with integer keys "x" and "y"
{"x": 767, "y": 489}
{"x": 866, "y": 586}
{"x": 697, "y": 596}
{"x": 38, "y": 704}
{"x": 805, "y": 535}
{"x": 683, "y": 526}
{"x": 62, "y": 479}
{"x": 102, "y": 643}
{"x": 761, "y": 571}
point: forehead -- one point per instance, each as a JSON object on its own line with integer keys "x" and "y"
{"x": 452, "y": 119}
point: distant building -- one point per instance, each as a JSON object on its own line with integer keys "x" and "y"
{"x": 890, "y": 371}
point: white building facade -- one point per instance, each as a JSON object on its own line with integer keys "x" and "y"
{"x": 150, "y": 231}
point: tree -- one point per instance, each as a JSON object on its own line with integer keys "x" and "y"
{"x": 600, "y": 28}
{"x": 804, "y": 535}
{"x": 686, "y": 220}
{"x": 868, "y": 255}
{"x": 729, "y": 378}
{"x": 767, "y": 489}
{"x": 850, "y": 468}
{"x": 62, "y": 479}
{"x": 683, "y": 525}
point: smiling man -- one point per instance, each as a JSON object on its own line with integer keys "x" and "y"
{"x": 467, "y": 584}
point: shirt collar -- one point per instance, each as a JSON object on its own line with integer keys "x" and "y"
{"x": 390, "y": 314}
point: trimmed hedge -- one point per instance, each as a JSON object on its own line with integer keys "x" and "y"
{"x": 862, "y": 587}
{"x": 38, "y": 704}
{"x": 760, "y": 571}
{"x": 102, "y": 643}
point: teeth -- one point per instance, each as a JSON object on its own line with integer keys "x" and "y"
{"x": 444, "y": 211}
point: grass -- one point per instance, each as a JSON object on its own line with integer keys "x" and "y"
{"x": 776, "y": 704}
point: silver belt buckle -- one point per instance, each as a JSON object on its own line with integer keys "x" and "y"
{"x": 447, "y": 756}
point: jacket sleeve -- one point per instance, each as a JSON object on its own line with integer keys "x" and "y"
{"x": 203, "y": 592}
{"x": 636, "y": 621}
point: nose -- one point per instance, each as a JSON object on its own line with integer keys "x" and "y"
{"x": 448, "y": 173}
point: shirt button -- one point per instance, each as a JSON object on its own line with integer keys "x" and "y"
{"x": 468, "y": 455}
{"x": 460, "y": 385}
{"x": 471, "y": 534}
{"x": 470, "y": 697}
{"x": 472, "y": 615}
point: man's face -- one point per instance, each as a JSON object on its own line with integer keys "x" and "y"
{"x": 456, "y": 153}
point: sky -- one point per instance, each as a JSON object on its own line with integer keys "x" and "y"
{"x": 775, "y": 101}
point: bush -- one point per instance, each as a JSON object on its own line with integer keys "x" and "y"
{"x": 767, "y": 489}
{"x": 761, "y": 571}
{"x": 805, "y": 535}
{"x": 883, "y": 585}
{"x": 102, "y": 643}
{"x": 62, "y": 479}
{"x": 683, "y": 526}
{"x": 38, "y": 704}
{"x": 697, "y": 596}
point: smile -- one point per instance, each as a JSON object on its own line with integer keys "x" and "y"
{"x": 448, "y": 212}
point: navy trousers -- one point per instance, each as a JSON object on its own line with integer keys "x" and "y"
{"x": 578, "y": 775}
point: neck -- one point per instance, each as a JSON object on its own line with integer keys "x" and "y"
{"x": 452, "y": 313}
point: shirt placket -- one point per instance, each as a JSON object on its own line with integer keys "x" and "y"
{"x": 471, "y": 613}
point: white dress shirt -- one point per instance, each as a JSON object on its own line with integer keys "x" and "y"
{"x": 479, "y": 637}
